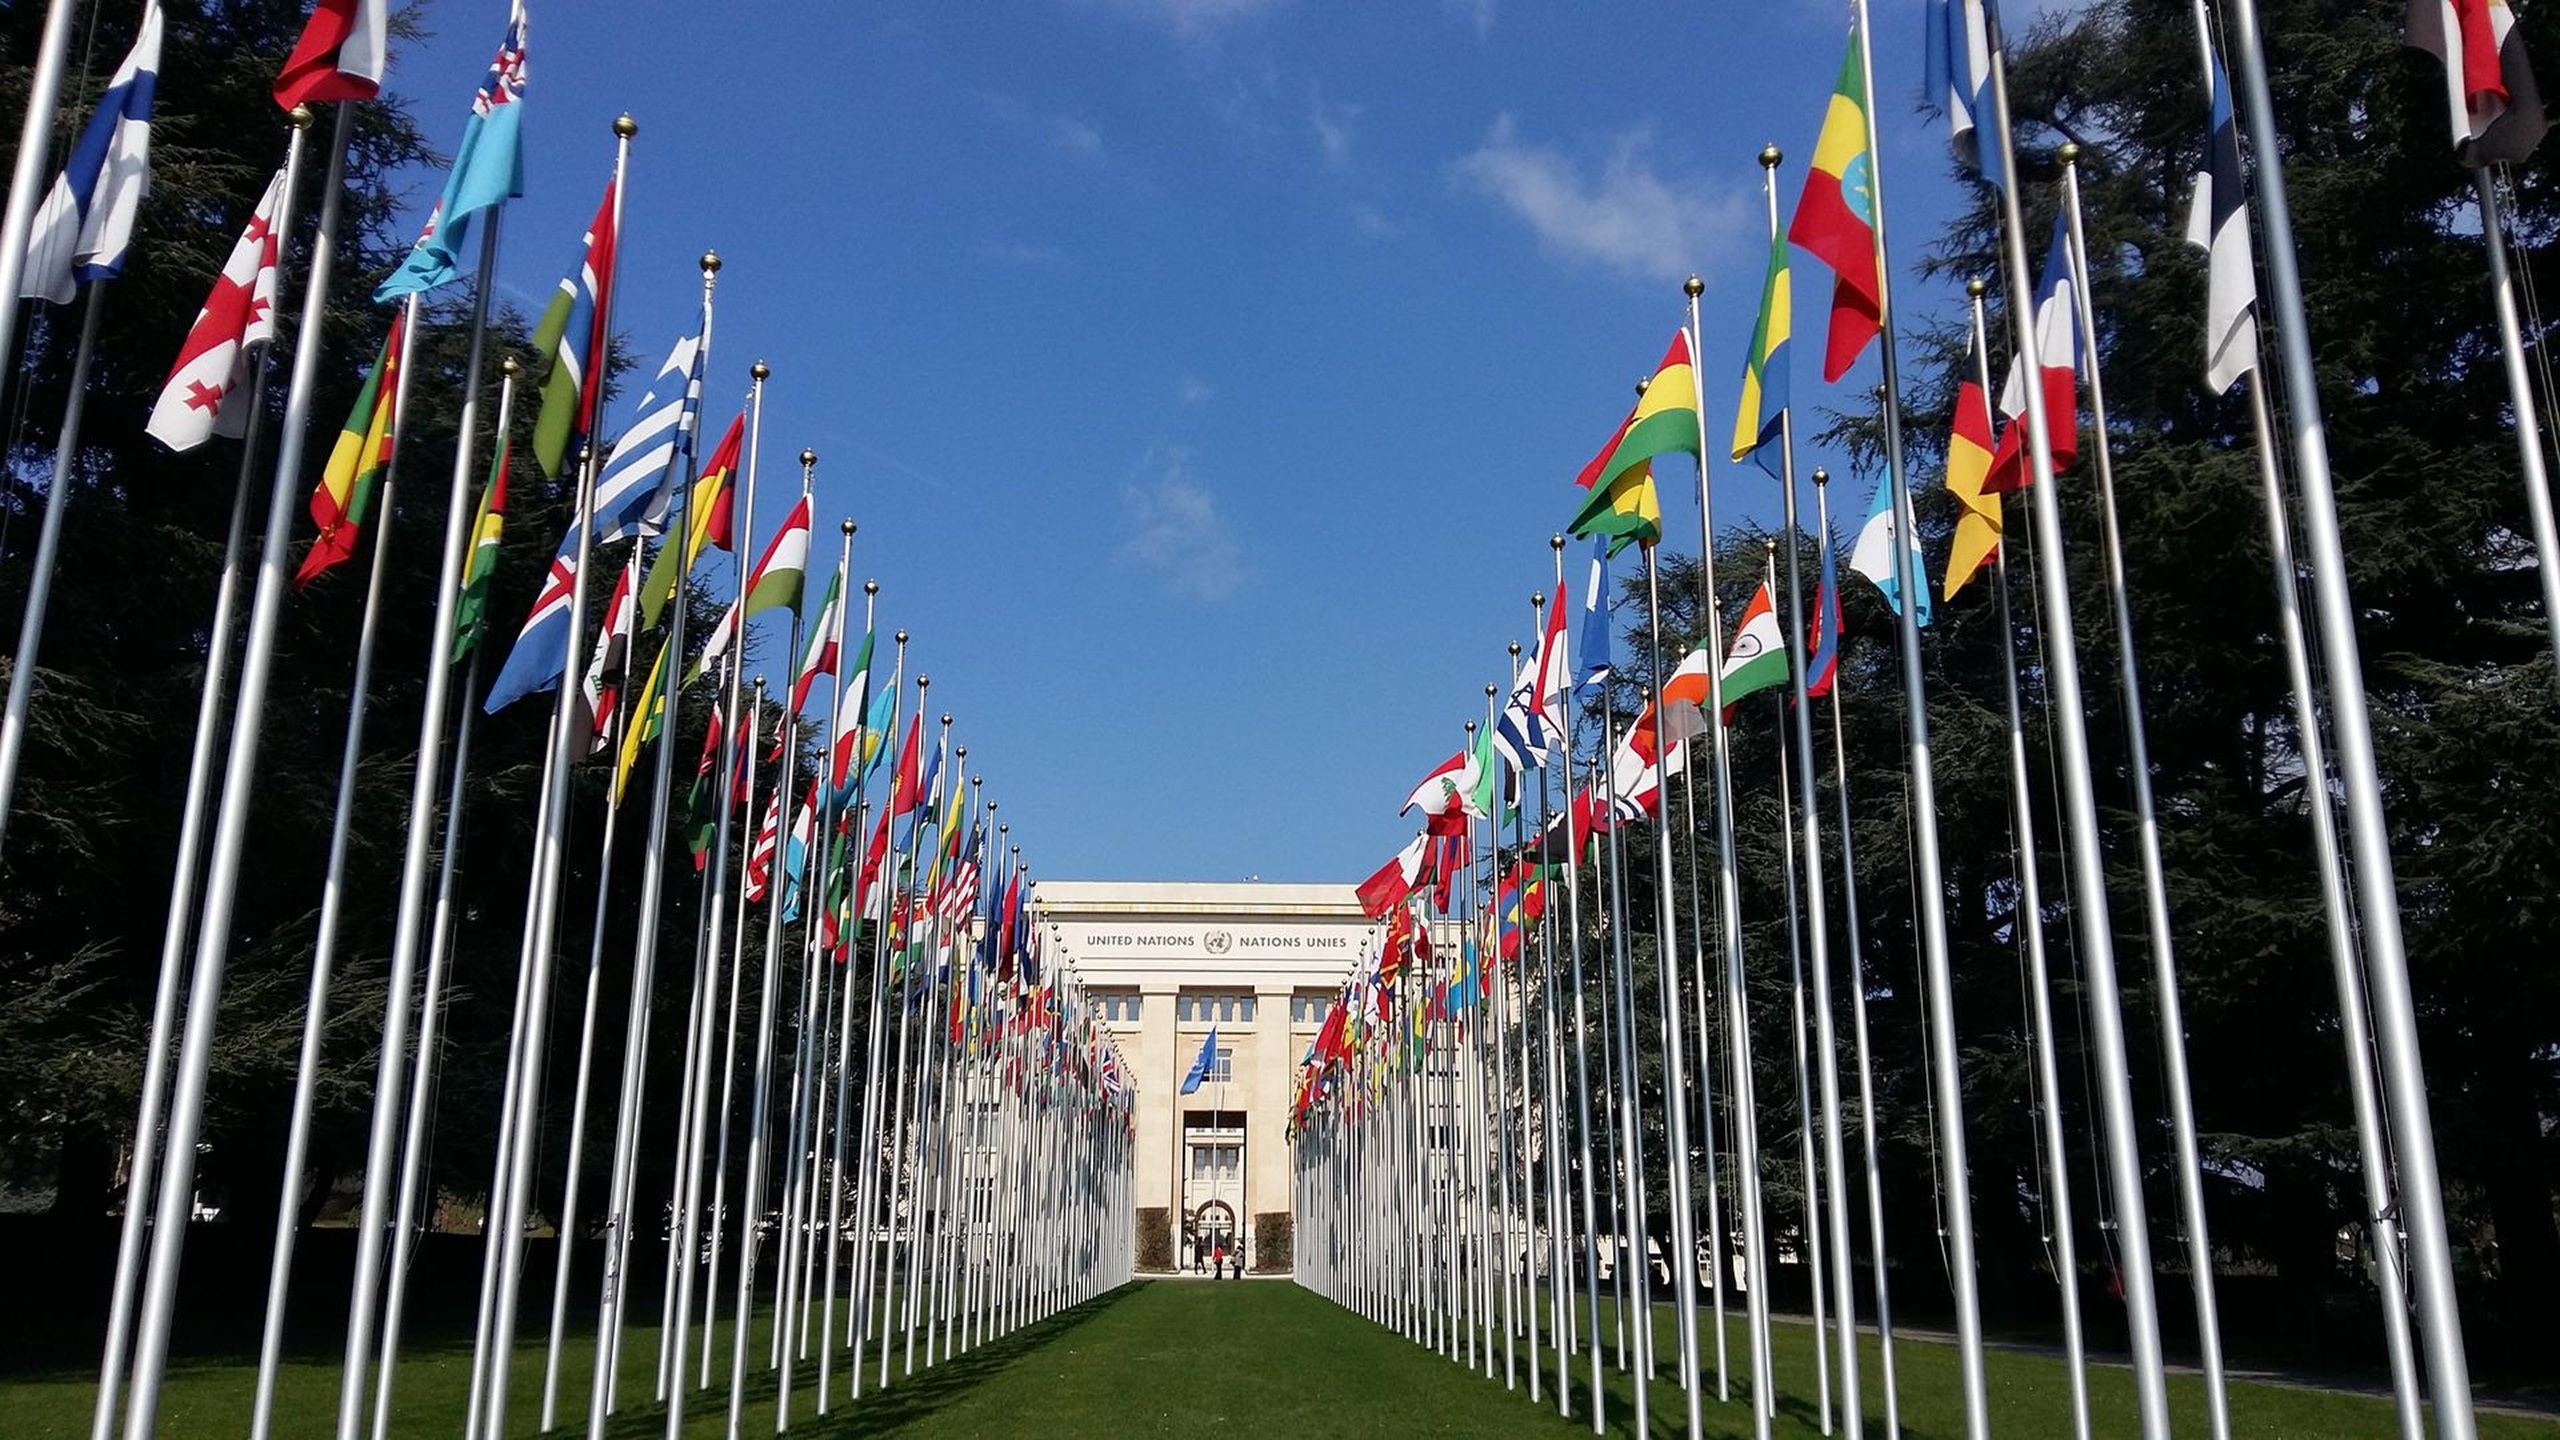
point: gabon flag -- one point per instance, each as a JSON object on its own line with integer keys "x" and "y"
{"x": 1835, "y": 218}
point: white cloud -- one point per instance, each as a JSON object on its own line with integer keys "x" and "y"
{"x": 1177, "y": 532}
{"x": 1626, "y": 217}
{"x": 1190, "y": 389}
{"x": 1332, "y": 124}
{"x": 1373, "y": 223}
{"x": 1192, "y": 16}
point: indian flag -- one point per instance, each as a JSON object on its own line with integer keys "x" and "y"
{"x": 1757, "y": 659}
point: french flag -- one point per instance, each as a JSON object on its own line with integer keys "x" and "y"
{"x": 2057, "y": 356}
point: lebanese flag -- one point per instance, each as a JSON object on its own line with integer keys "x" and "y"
{"x": 2057, "y": 361}
{"x": 344, "y": 50}
{"x": 204, "y": 396}
{"x": 1385, "y": 890}
{"x": 1443, "y": 795}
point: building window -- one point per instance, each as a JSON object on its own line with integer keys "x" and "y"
{"x": 1308, "y": 1009}
{"x": 1224, "y": 1007}
{"x": 1121, "y": 1007}
{"x": 1222, "y": 1069}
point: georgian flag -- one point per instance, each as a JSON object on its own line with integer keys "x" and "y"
{"x": 87, "y": 219}
{"x": 204, "y": 396}
{"x": 344, "y": 50}
{"x": 2218, "y": 224}
{"x": 2488, "y": 82}
{"x": 2057, "y": 358}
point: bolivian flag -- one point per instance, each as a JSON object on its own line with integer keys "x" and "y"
{"x": 1665, "y": 420}
{"x": 1835, "y": 219}
{"x": 1626, "y": 510}
{"x": 1764, "y": 373}
{"x": 356, "y": 462}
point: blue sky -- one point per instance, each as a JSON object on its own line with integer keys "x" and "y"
{"x": 1206, "y": 376}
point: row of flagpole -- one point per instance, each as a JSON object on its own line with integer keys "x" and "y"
{"x": 991, "y": 1190}
{"x": 1386, "y": 1106}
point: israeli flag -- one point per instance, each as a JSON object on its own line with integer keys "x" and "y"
{"x": 86, "y": 223}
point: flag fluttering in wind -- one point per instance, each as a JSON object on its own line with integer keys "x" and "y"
{"x": 488, "y": 171}
{"x": 1835, "y": 218}
{"x": 601, "y": 688}
{"x": 1382, "y": 892}
{"x": 1663, "y": 422}
{"x": 471, "y": 607}
{"x": 845, "y": 745}
{"x": 344, "y": 496}
{"x": 1828, "y": 626}
{"x": 774, "y": 584}
{"x": 1446, "y": 796}
{"x": 1959, "y": 80}
{"x": 2218, "y": 224}
{"x": 1553, "y": 681}
{"x": 2057, "y": 360}
{"x": 639, "y": 478}
{"x": 1757, "y": 658}
{"x": 1626, "y": 512}
{"x": 818, "y": 651}
{"x": 207, "y": 393}
{"x": 1758, "y": 424}
{"x": 1203, "y": 1064}
{"x": 572, "y": 333}
{"x": 343, "y": 54}
{"x": 1872, "y": 555}
{"x": 542, "y": 646}
{"x": 1520, "y": 734}
{"x": 1591, "y": 647}
{"x": 705, "y": 523}
{"x": 2488, "y": 83}
{"x": 81, "y": 231}
{"x": 1977, "y": 536}
{"x": 702, "y": 807}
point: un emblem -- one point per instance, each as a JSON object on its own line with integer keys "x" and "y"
{"x": 1217, "y": 942}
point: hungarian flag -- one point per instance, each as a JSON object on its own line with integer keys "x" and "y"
{"x": 357, "y": 461}
{"x": 344, "y": 50}
{"x": 572, "y": 333}
{"x": 1757, "y": 658}
{"x": 471, "y": 606}
{"x": 2057, "y": 355}
{"x": 2488, "y": 83}
{"x": 1977, "y": 536}
{"x": 1759, "y": 422}
{"x": 706, "y": 524}
{"x": 1382, "y": 892}
{"x": 205, "y": 395}
{"x": 1835, "y": 218}
{"x": 774, "y": 584}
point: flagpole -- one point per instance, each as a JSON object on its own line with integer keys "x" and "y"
{"x": 866, "y": 1189}
{"x": 2527, "y": 424}
{"x": 174, "y": 1204}
{"x": 2069, "y": 716}
{"x": 1581, "y": 1033}
{"x": 1858, "y": 1015}
{"x": 1706, "y": 1070}
{"x": 333, "y": 897}
{"x": 1816, "y": 917}
{"x": 1675, "y": 1068}
{"x": 1527, "y": 1287}
{"x": 1739, "y": 1087}
{"x": 142, "y": 1166}
{"x": 1638, "y": 1228}
{"x": 842, "y": 959}
{"x": 1946, "y": 1080}
{"x": 26, "y": 178}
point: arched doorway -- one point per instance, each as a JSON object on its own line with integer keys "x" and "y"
{"x": 1216, "y": 1227}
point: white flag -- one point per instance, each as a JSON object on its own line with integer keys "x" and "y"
{"x": 87, "y": 220}
{"x": 205, "y": 396}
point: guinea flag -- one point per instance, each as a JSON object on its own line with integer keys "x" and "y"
{"x": 1757, "y": 659}
{"x": 356, "y": 462}
{"x": 1835, "y": 218}
{"x": 1665, "y": 420}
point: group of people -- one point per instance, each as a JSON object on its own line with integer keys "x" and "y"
{"x": 1213, "y": 1258}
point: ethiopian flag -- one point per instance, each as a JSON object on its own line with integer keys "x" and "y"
{"x": 1665, "y": 420}
{"x": 1757, "y": 659}
{"x": 356, "y": 462}
{"x": 1764, "y": 372}
{"x": 1626, "y": 510}
{"x": 471, "y": 607}
{"x": 1835, "y": 219}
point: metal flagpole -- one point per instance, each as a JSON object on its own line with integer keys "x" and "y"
{"x": 1581, "y": 1034}
{"x": 142, "y": 1166}
{"x": 1817, "y": 922}
{"x": 2155, "y": 885}
{"x": 1746, "y": 1139}
{"x": 866, "y": 1200}
{"x": 2069, "y": 716}
{"x": 1858, "y": 1015}
{"x": 897, "y": 1116}
{"x": 1705, "y": 1071}
{"x": 1946, "y": 1080}
{"x": 27, "y": 177}
{"x": 315, "y": 1014}
{"x": 712, "y": 1010}
{"x": 2527, "y": 423}
{"x": 1675, "y": 1067}
{"x": 842, "y": 959}
{"x": 175, "y": 1200}
{"x": 1638, "y": 1227}
{"x": 1526, "y": 1300}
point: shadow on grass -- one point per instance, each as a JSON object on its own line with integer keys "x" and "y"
{"x": 907, "y": 1399}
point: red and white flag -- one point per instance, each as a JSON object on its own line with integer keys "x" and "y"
{"x": 1381, "y": 893}
{"x": 205, "y": 395}
{"x": 1445, "y": 796}
{"x": 344, "y": 50}
{"x": 2488, "y": 82}
{"x": 2057, "y": 356}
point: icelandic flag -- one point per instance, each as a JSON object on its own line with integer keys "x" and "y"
{"x": 646, "y": 465}
{"x": 1959, "y": 80}
{"x": 542, "y": 646}
{"x": 2218, "y": 224}
{"x": 86, "y": 222}
{"x": 1873, "y": 555}
{"x": 1207, "y": 1057}
{"x": 488, "y": 170}
{"x": 1593, "y": 646}
{"x": 1827, "y": 622}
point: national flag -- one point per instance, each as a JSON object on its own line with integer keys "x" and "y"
{"x": 358, "y": 460}
{"x": 1757, "y": 658}
{"x": 906, "y": 788}
{"x": 701, "y": 806}
{"x": 2218, "y": 224}
{"x": 1520, "y": 732}
{"x": 649, "y": 716}
{"x": 1592, "y": 646}
{"x": 1626, "y": 511}
{"x": 644, "y": 466}
{"x": 86, "y": 222}
{"x": 1872, "y": 555}
{"x": 774, "y": 584}
{"x": 601, "y": 688}
{"x": 1977, "y": 536}
{"x": 488, "y": 170}
{"x": 1835, "y": 217}
{"x": 1664, "y": 420}
{"x": 488, "y": 527}
{"x": 572, "y": 333}
{"x": 795, "y": 851}
{"x": 706, "y": 519}
{"x": 1387, "y": 889}
{"x": 818, "y": 653}
{"x": 1203, "y": 1063}
{"x": 1688, "y": 695}
{"x": 845, "y": 745}
{"x": 2057, "y": 361}
{"x": 1959, "y": 80}
{"x": 542, "y": 646}
{"x": 760, "y": 854}
{"x": 1762, "y": 417}
{"x": 1828, "y": 625}
{"x": 1554, "y": 679}
{"x": 206, "y": 394}
{"x": 2488, "y": 81}
{"x": 1446, "y": 796}
{"x": 1638, "y": 769}
{"x": 344, "y": 51}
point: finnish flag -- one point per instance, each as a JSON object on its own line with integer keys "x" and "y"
{"x": 86, "y": 223}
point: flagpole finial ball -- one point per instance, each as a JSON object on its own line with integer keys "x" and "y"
{"x": 301, "y": 117}
{"x": 1821, "y": 476}
{"x": 624, "y": 126}
{"x": 946, "y": 719}
{"x": 1537, "y": 601}
{"x": 1771, "y": 546}
{"x": 1555, "y": 542}
{"x": 507, "y": 366}
{"x": 901, "y": 636}
{"x": 1471, "y": 727}
{"x": 710, "y": 262}
{"x": 1770, "y": 155}
{"x": 2070, "y": 152}
{"x": 1693, "y": 287}
{"x": 1515, "y": 649}
{"x": 872, "y": 587}
{"x": 961, "y": 751}
{"x": 808, "y": 458}
{"x": 1490, "y": 690}
{"x": 924, "y": 682}
{"x": 759, "y": 684}
{"x": 1976, "y": 288}
{"x": 848, "y": 527}
{"x": 1642, "y": 382}
{"x": 760, "y": 370}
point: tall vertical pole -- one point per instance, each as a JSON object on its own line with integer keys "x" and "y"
{"x": 1581, "y": 1034}
{"x": 2404, "y": 1080}
{"x": 1675, "y": 1065}
{"x": 57, "y": 498}
{"x": 26, "y": 177}
{"x": 2528, "y": 422}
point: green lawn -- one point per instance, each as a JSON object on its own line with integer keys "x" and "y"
{"x": 1183, "y": 1357}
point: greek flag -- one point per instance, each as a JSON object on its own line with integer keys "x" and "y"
{"x": 650, "y": 460}
{"x": 87, "y": 219}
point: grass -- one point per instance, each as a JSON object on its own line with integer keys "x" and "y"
{"x": 1185, "y": 1357}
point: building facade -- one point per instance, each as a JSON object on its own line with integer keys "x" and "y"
{"x": 1241, "y": 972}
